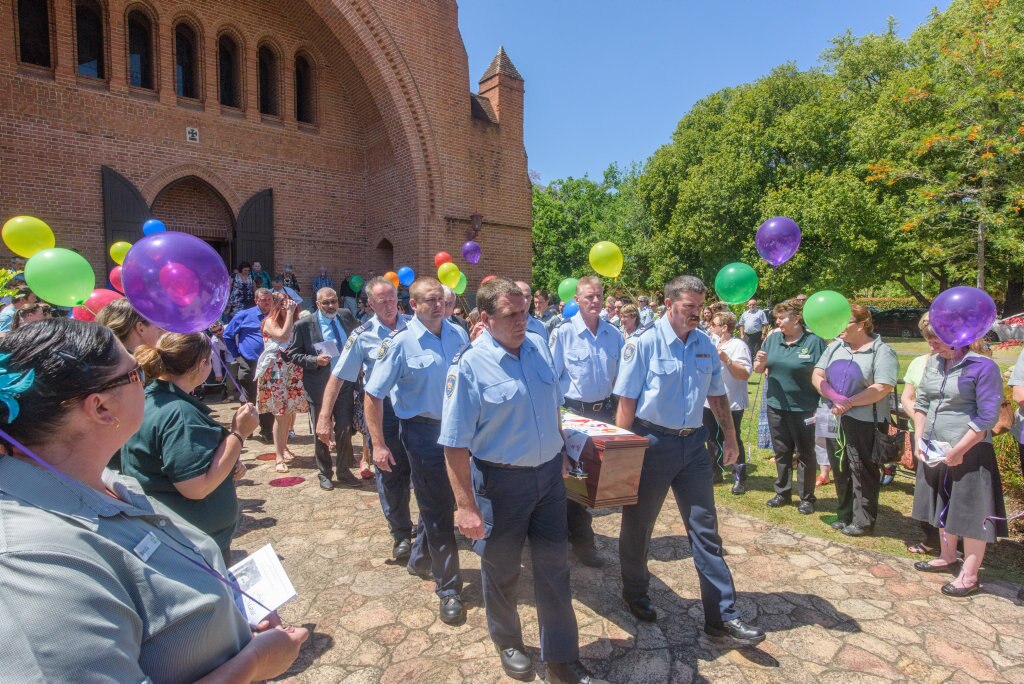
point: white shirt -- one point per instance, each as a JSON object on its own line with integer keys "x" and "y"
{"x": 736, "y": 389}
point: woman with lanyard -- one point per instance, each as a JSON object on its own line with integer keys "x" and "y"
{"x": 787, "y": 358}
{"x": 138, "y": 593}
{"x": 958, "y": 486}
{"x": 855, "y": 376}
{"x": 181, "y": 456}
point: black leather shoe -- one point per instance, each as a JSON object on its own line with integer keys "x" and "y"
{"x": 347, "y": 479}
{"x": 516, "y": 663}
{"x": 777, "y": 501}
{"x": 838, "y": 525}
{"x": 325, "y": 483}
{"x": 422, "y": 574}
{"x": 401, "y": 550}
{"x": 451, "y": 611}
{"x": 805, "y": 508}
{"x": 588, "y": 556}
{"x": 951, "y": 590}
{"x": 926, "y": 566}
{"x": 856, "y": 531}
{"x": 642, "y": 608}
{"x": 739, "y": 633}
{"x": 571, "y": 673}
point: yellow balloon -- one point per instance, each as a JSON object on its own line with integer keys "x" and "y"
{"x": 119, "y": 250}
{"x": 448, "y": 273}
{"x": 606, "y": 258}
{"x": 26, "y": 235}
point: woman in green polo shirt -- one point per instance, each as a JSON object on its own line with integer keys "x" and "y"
{"x": 787, "y": 359}
{"x": 180, "y": 455}
{"x": 855, "y": 376}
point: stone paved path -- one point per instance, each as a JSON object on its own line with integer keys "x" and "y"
{"x": 833, "y": 613}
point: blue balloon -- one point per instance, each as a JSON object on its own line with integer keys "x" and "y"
{"x": 153, "y": 226}
{"x": 406, "y": 276}
{"x": 570, "y": 309}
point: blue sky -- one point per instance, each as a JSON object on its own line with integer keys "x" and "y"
{"x": 608, "y": 80}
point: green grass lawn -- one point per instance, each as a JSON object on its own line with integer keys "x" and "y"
{"x": 895, "y": 529}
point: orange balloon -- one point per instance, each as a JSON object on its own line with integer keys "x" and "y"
{"x": 393, "y": 277}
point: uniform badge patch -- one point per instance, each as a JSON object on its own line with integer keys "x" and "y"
{"x": 350, "y": 341}
{"x": 628, "y": 352}
{"x": 384, "y": 345}
{"x": 449, "y": 385}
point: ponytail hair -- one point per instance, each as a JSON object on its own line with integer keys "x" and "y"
{"x": 173, "y": 354}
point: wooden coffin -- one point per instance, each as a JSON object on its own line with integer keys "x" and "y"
{"x": 612, "y": 458}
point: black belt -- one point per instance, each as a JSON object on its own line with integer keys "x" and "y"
{"x": 423, "y": 420}
{"x": 685, "y": 432}
{"x": 594, "y": 406}
{"x": 506, "y": 466}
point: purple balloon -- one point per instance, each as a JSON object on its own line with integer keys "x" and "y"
{"x": 962, "y": 315}
{"x": 471, "y": 252}
{"x": 777, "y": 240}
{"x": 176, "y": 281}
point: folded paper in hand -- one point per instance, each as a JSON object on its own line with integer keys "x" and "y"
{"x": 262, "y": 576}
{"x": 934, "y": 451}
{"x": 326, "y": 347}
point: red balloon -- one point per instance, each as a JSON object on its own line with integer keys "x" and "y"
{"x": 486, "y": 278}
{"x": 95, "y": 302}
{"x": 115, "y": 279}
{"x": 441, "y": 258}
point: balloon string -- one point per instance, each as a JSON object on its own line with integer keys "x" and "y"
{"x": 996, "y": 517}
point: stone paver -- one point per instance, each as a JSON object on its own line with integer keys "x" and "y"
{"x": 833, "y": 613}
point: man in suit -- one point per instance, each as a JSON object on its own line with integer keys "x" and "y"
{"x": 316, "y": 348}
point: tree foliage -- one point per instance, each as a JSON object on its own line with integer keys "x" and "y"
{"x": 893, "y": 156}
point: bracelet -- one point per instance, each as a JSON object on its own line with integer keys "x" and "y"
{"x": 241, "y": 439}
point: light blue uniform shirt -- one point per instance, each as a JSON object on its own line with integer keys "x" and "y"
{"x": 502, "y": 408}
{"x": 536, "y": 326}
{"x": 669, "y": 379}
{"x": 360, "y": 352}
{"x": 586, "y": 364}
{"x": 328, "y": 334}
{"x": 414, "y": 361}
{"x": 646, "y": 315}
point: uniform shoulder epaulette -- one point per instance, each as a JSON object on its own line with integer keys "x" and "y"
{"x": 455, "y": 359}
{"x": 641, "y": 330}
{"x": 365, "y": 327}
{"x": 395, "y": 333}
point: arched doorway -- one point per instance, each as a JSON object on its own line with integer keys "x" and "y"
{"x": 193, "y": 206}
{"x": 384, "y": 257}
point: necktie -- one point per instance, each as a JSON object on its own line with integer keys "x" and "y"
{"x": 334, "y": 329}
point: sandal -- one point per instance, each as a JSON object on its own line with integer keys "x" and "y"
{"x": 288, "y": 455}
{"x": 822, "y": 480}
{"x": 921, "y": 548}
{"x": 366, "y": 473}
{"x": 281, "y": 467}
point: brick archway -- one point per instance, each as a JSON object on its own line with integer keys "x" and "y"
{"x": 164, "y": 179}
{"x": 193, "y": 206}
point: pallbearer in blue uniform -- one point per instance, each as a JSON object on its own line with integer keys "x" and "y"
{"x": 411, "y": 367}
{"x": 360, "y": 354}
{"x": 533, "y": 324}
{"x": 501, "y": 402}
{"x": 666, "y": 373}
{"x": 585, "y": 351}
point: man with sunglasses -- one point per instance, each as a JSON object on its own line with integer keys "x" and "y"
{"x": 413, "y": 361}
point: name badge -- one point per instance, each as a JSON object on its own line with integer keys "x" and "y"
{"x": 147, "y": 546}
{"x": 703, "y": 356}
{"x": 803, "y": 356}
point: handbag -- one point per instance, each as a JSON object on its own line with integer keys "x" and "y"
{"x": 889, "y": 443}
{"x": 1006, "y": 417}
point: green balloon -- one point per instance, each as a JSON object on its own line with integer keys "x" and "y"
{"x": 736, "y": 283}
{"x": 356, "y": 283}
{"x": 826, "y": 313}
{"x": 567, "y": 289}
{"x": 60, "y": 276}
{"x": 460, "y": 287}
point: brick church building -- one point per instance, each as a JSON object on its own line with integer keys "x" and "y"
{"x": 334, "y": 132}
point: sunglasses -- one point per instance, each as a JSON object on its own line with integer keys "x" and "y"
{"x": 136, "y": 374}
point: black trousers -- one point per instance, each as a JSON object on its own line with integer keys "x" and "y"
{"x": 858, "y": 481}
{"x": 579, "y": 519}
{"x": 791, "y": 434}
{"x": 716, "y": 440}
{"x": 753, "y": 341}
{"x": 247, "y": 379}
{"x": 343, "y": 407}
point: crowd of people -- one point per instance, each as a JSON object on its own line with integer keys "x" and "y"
{"x": 461, "y": 410}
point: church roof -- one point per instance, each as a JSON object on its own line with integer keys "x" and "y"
{"x": 501, "y": 64}
{"x": 482, "y": 109}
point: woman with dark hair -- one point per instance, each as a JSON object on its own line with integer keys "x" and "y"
{"x": 855, "y": 376}
{"x": 138, "y": 593}
{"x": 181, "y": 456}
{"x": 243, "y": 289}
{"x": 958, "y": 487}
{"x": 787, "y": 358}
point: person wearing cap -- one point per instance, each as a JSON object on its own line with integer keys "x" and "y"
{"x": 666, "y": 373}
{"x": 413, "y": 360}
{"x": 289, "y": 278}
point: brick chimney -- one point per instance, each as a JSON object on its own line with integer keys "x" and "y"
{"x": 502, "y": 85}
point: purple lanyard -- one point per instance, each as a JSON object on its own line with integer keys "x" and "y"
{"x": 202, "y": 566}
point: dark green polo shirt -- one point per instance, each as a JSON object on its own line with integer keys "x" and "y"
{"x": 790, "y": 367}
{"x": 176, "y": 442}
